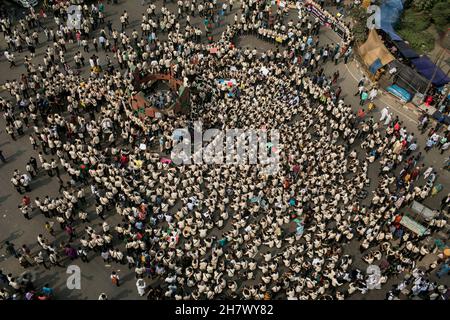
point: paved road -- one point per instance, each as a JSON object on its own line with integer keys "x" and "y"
{"x": 95, "y": 274}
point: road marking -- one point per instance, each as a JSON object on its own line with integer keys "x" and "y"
{"x": 346, "y": 66}
{"x": 389, "y": 105}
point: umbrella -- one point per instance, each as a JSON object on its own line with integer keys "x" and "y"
{"x": 447, "y": 252}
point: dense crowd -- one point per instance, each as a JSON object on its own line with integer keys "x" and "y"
{"x": 211, "y": 231}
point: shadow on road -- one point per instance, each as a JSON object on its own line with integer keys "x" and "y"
{"x": 3, "y": 198}
{"x": 14, "y": 235}
{"x": 15, "y": 155}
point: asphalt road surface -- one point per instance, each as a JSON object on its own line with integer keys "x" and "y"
{"x": 95, "y": 274}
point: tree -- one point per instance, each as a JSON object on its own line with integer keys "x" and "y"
{"x": 359, "y": 15}
{"x": 423, "y": 5}
{"x": 441, "y": 15}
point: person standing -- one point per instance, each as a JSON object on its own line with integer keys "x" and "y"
{"x": 373, "y": 93}
{"x": 33, "y": 162}
{"x": 347, "y": 54}
{"x": 335, "y": 77}
{"x": 54, "y": 259}
{"x": 102, "y": 296}
{"x": 30, "y": 170}
{"x": 70, "y": 252}
{"x": 85, "y": 45}
{"x": 62, "y": 186}
{"x": 25, "y": 182}
{"x": 26, "y": 201}
{"x": 362, "y": 81}
{"x": 443, "y": 271}
{"x": 95, "y": 43}
{"x": 336, "y": 58}
{"x": 70, "y": 232}
{"x": 429, "y": 144}
{"x": 82, "y": 254}
{"x": 40, "y": 260}
{"x": 16, "y": 185}
{"x": 445, "y": 202}
{"x": 49, "y": 228}
{"x": 25, "y": 250}
{"x": 388, "y": 119}
{"x": 115, "y": 279}
{"x": 47, "y": 167}
{"x": 364, "y": 96}
{"x": 47, "y": 291}
{"x": 26, "y": 210}
{"x": 54, "y": 167}
{"x": 141, "y": 286}
{"x": 10, "y": 249}
{"x": 384, "y": 113}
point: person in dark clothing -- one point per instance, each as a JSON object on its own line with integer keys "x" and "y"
{"x": 445, "y": 202}
{"x": 2, "y": 157}
{"x": 70, "y": 232}
{"x": 10, "y": 249}
{"x": 25, "y": 212}
{"x": 33, "y": 162}
{"x": 62, "y": 186}
{"x": 3, "y": 278}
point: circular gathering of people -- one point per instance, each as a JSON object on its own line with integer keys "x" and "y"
{"x": 203, "y": 231}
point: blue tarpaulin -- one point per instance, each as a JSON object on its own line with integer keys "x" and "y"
{"x": 405, "y": 50}
{"x": 430, "y": 71}
{"x": 375, "y": 66}
{"x": 390, "y": 12}
{"x": 399, "y": 92}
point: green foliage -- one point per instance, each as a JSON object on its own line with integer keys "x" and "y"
{"x": 414, "y": 21}
{"x": 421, "y": 41}
{"x": 424, "y": 5}
{"x": 417, "y": 19}
{"x": 441, "y": 15}
{"x": 359, "y": 16}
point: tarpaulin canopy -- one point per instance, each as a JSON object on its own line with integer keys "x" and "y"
{"x": 408, "y": 78}
{"x": 375, "y": 66}
{"x": 374, "y": 49}
{"x": 405, "y": 50}
{"x": 430, "y": 71}
{"x": 390, "y": 12}
{"x": 399, "y": 92}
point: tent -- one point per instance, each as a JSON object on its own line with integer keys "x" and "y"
{"x": 430, "y": 71}
{"x": 390, "y": 12}
{"x": 405, "y": 50}
{"x": 408, "y": 78}
{"x": 374, "y": 53}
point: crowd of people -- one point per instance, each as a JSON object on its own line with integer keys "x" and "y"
{"x": 161, "y": 98}
{"x": 196, "y": 231}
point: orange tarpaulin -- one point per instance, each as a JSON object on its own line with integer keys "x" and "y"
{"x": 374, "y": 49}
